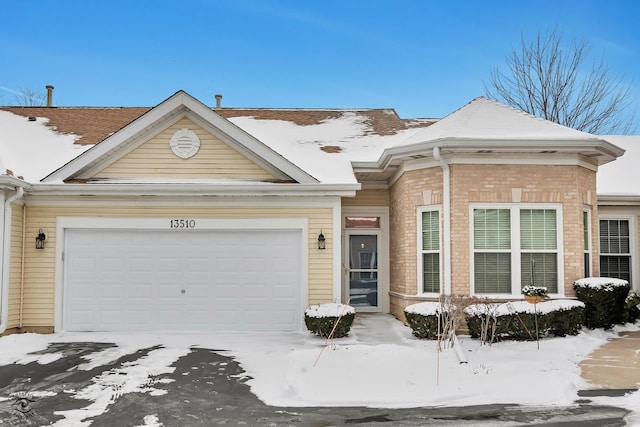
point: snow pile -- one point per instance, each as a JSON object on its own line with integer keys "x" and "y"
{"x": 329, "y": 310}
{"x": 605, "y": 283}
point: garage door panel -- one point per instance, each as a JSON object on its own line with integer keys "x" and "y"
{"x": 134, "y": 280}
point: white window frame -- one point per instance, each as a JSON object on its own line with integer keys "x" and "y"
{"x": 589, "y": 250}
{"x": 633, "y": 244}
{"x": 515, "y": 250}
{"x": 420, "y": 266}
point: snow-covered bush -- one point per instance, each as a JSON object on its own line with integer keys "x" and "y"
{"x": 632, "y": 307}
{"x": 321, "y": 319}
{"x": 604, "y": 300}
{"x": 516, "y": 319}
{"x": 423, "y": 318}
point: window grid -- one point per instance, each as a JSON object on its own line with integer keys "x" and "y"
{"x": 615, "y": 252}
{"x": 533, "y": 244}
{"x": 430, "y": 246}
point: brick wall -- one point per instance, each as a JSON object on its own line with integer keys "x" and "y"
{"x": 573, "y": 187}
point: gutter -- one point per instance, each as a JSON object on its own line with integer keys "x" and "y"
{"x": 4, "y": 258}
{"x": 446, "y": 202}
{"x": 196, "y": 189}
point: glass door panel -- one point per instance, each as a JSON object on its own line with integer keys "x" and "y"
{"x": 363, "y": 270}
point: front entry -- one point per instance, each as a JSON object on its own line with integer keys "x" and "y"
{"x": 363, "y": 249}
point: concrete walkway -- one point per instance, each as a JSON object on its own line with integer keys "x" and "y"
{"x": 615, "y": 365}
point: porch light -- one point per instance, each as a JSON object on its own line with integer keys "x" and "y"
{"x": 40, "y": 239}
{"x": 321, "y": 241}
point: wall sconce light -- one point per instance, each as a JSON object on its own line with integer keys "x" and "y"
{"x": 321, "y": 241}
{"x": 40, "y": 239}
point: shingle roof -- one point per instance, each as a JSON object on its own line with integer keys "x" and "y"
{"x": 94, "y": 124}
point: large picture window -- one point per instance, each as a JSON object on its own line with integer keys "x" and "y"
{"x": 430, "y": 248}
{"x": 615, "y": 250}
{"x": 514, "y": 247}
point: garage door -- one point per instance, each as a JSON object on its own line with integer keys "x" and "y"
{"x": 158, "y": 280}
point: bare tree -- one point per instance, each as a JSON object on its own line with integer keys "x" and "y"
{"x": 553, "y": 81}
{"x": 30, "y": 98}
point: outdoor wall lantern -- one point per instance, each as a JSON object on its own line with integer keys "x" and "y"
{"x": 321, "y": 241}
{"x": 40, "y": 239}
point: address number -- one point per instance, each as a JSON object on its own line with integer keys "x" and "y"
{"x": 183, "y": 223}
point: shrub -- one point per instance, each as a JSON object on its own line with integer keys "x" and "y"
{"x": 604, "y": 300}
{"x": 320, "y": 319}
{"x": 516, "y": 320}
{"x": 423, "y": 319}
{"x": 632, "y": 307}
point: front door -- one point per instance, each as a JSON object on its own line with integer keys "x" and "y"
{"x": 362, "y": 269}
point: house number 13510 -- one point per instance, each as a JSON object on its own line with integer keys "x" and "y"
{"x": 183, "y": 223}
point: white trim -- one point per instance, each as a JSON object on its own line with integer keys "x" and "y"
{"x": 5, "y": 255}
{"x": 64, "y": 223}
{"x": 196, "y": 187}
{"x": 633, "y": 244}
{"x": 515, "y": 249}
{"x": 589, "y": 251}
{"x": 191, "y": 201}
{"x": 337, "y": 252}
{"x": 420, "y": 267}
{"x": 384, "y": 277}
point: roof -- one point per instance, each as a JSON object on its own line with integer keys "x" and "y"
{"x": 320, "y": 141}
{"x": 622, "y": 177}
{"x": 93, "y": 124}
{"x": 485, "y": 119}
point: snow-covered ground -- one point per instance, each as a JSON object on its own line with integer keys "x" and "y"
{"x": 378, "y": 365}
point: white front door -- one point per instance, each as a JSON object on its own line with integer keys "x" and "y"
{"x": 196, "y": 280}
{"x": 362, "y": 261}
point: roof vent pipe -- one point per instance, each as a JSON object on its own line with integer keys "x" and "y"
{"x": 49, "y": 95}
{"x": 218, "y": 100}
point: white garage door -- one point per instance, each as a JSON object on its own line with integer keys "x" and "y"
{"x": 153, "y": 280}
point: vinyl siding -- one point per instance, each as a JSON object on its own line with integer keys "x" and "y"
{"x": 368, "y": 198}
{"x": 15, "y": 266}
{"x": 214, "y": 160}
{"x": 39, "y": 292}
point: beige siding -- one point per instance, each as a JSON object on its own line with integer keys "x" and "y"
{"x": 368, "y": 198}
{"x": 154, "y": 159}
{"x": 40, "y": 265}
{"x": 15, "y": 267}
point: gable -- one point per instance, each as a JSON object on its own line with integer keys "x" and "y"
{"x": 119, "y": 151}
{"x": 155, "y": 158}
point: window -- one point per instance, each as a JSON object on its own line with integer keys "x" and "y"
{"x": 615, "y": 251}
{"x": 514, "y": 247}
{"x": 430, "y": 248}
{"x": 492, "y": 244}
{"x": 586, "y": 235}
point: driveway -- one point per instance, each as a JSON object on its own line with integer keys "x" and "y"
{"x": 207, "y": 388}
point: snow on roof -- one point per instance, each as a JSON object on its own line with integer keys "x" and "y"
{"x": 621, "y": 177}
{"x": 349, "y": 136}
{"x": 485, "y": 119}
{"x": 31, "y": 149}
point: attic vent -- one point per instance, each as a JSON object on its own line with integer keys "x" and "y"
{"x": 32, "y": 119}
{"x": 548, "y": 151}
{"x": 184, "y": 143}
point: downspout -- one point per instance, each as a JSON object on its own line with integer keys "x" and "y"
{"x": 446, "y": 251}
{"x": 24, "y": 243}
{"x": 4, "y": 259}
{"x": 446, "y": 204}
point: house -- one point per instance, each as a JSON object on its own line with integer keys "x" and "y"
{"x": 189, "y": 218}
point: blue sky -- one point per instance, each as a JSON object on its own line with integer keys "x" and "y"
{"x": 423, "y": 58}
